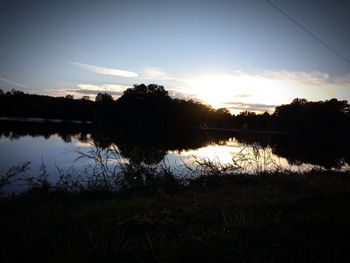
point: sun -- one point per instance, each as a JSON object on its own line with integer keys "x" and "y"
{"x": 223, "y": 90}
{"x": 212, "y": 89}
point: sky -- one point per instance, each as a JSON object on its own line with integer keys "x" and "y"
{"x": 238, "y": 54}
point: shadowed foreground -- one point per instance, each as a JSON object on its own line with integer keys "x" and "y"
{"x": 266, "y": 218}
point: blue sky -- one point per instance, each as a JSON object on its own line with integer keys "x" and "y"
{"x": 241, "y": 54}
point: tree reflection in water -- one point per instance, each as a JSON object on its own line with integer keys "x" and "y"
{"x": 151, "y": 148}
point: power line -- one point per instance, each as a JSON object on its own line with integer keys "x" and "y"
{"x": 308, "y": 32}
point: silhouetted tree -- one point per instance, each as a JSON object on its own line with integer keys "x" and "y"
{"x": 145, "y": 106}
{"x": 321, "y": 116}
{"x": 143, "y": 92}
{"x": 104, "y": 98}
{"x": 17, "y": 92}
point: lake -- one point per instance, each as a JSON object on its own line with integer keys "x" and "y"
{"x": 58, "y": 146}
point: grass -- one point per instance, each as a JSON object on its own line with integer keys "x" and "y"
{"x": 273, "y": 217}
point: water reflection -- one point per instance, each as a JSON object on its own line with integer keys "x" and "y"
{"x": 328, "y": 152}
{"x": 138, "y": 147}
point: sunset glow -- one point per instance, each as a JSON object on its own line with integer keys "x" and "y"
{"x": 258, "y": 92}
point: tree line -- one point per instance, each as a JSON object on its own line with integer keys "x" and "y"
{"x": 151, "y": 107}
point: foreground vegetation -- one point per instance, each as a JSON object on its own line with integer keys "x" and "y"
{"x": 221, "y": 215}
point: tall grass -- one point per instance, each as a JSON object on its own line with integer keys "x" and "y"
{"x": 210, "y": 213}
{"x": 13, "y": 174}
{"x": 106, "y": 170}
{"x": 253, "y": 160}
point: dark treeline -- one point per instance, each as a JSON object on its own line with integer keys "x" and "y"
{"x": 303, "y": 116}
{"x": 151, "y": 107}
{"x": 19, "y": 104}
{"x": 139, "y": 107}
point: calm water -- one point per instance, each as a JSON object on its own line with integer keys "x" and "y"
{"x": 58, "y": 146}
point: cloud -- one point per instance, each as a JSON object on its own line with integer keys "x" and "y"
{"x": 307, "y": 78}
{"x": 155, "y": 74}
{"x": 177, "y": 93}
{"x": 84, "y": 89}
{"x": 90, "y": 92}
{"x": 12, "y": 82}
{"x": 239, "y": 96}
{"x": 103, "y": 87}
{"x": 106, "y": 71}
{"x": 250, "y": 106}
{"x": 341, "y": 80}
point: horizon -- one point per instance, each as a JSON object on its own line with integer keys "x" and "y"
{"x": 258, "y": 108}
{"x": 240, "y": 55}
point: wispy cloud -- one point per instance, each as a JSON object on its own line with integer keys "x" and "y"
{"x": 341, "y": 80}
{"x": 239, "y": 96}
{"x": 84, "y": 89}
{"x": 12, "y": 82}
{"x": 250, "y": 106}
{"x": 155, "y": 73}
{"x": 177, "y": 93}
{"x": 103, "y": 87}
{"x": 307, "y": 78}
{"x": 106, "y": 71}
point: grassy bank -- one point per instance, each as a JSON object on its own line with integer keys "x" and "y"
{"x": 266, "y": 218}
